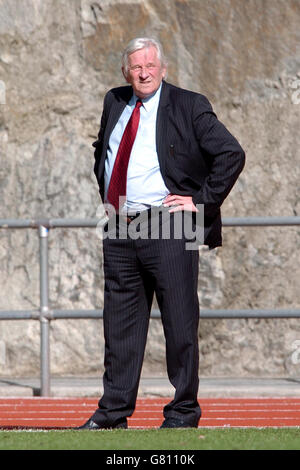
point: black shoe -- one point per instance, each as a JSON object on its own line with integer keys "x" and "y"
{"x": 90, "y": 425}
{"x": 176, "y": 423}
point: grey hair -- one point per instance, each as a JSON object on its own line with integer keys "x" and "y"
{"x": 140, "y": 43}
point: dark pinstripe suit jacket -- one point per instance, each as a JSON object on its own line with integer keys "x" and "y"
{"x": 197, "y": 154}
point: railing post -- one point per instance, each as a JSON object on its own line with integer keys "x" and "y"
{"x": 44, "y": 309}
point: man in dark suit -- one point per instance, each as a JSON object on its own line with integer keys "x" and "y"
{"x": 160, "y": 149}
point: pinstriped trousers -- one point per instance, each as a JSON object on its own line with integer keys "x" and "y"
{"x": 134, "y": 269}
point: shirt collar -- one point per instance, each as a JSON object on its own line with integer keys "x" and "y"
{"x": 151, "y": 101}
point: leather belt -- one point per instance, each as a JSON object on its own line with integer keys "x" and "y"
{"x": 130, "y": 217}
{"x": 145, "y": 214}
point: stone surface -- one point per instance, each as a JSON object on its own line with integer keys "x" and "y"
{"x": 57, "y": 60}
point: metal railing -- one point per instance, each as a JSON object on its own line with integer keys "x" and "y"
{"x": 45, "y": 314}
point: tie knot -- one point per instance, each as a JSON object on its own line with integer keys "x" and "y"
{"x": 138, "y": 104}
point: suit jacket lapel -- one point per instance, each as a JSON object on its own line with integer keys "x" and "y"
{"x": 115, "y": 111}
{"x": 162, "y": 126}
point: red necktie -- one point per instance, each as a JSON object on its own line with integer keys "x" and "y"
{"x": 117, "y": 185}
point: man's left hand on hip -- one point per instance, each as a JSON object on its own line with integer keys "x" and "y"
{"x": 181, "y": 203}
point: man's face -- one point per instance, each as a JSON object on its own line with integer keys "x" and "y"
{"x": 145, "y": 72}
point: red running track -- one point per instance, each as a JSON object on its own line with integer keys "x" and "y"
{"x": 53, "y": 413}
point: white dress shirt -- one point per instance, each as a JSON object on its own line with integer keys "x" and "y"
{"x": 145, "y": 186}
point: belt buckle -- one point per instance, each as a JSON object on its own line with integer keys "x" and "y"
{"x": 130, "y": 218}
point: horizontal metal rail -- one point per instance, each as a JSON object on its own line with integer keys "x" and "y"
{"x": 155, "y": 313}
{"x": 45, "y": 314}
{"x": 262, "y": 221}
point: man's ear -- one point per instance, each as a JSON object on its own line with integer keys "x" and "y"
{"x": 124, "y": 74}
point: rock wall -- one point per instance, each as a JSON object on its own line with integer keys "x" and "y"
{"x": 57, "y": 60}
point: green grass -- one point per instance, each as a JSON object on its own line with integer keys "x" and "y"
{"x": 156, "y": 439}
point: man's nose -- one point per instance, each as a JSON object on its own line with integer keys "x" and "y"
{"x": 144, "y": 72}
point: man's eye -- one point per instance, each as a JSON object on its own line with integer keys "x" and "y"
{"x": 139, "y": 67}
